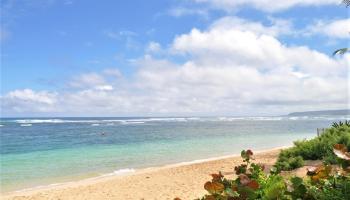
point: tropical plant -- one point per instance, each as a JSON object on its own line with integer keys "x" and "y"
{"x": 330, "y": 180}
{"x": 343, "y": 50}
{"x": 340, "y": 123}
{"x": 319, "y": 148}
{"x": 346, "y": 2}
{"x": 323, "y": 182}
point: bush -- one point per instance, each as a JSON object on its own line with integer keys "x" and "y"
{"x": 319, "y": 148}
{"x": 289, "y": 163}
{"x": 324, "y": 182}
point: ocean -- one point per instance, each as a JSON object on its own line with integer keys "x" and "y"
{"x": 42, "y": 151}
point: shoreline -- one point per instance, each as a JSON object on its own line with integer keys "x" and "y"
{"x": 87, "y": 182}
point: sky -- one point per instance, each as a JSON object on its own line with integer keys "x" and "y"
{"x": 172, "y": 58}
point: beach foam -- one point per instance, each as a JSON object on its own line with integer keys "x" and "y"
{"x": 132, "y": 122}
{"x": 142, "y": 120}
{"x": 36, "y": 121}
{"x": 124, "y": 171}
{"x": 26, "y": 125}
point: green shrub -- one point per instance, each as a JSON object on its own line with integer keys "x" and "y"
{"x": 338, "y": 190}
{"x": 319, "y": 148}
{"x": 275, "y": 188}
{"x": 324, "y": 182}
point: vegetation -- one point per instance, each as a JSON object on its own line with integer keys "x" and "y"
{"x": 319, "y": 148}
{"x": 343, "y": 50}
{"x": 346, "y": 2}
{"x": 322, "y": 182}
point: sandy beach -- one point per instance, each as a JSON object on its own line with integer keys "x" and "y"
{"x": 183, "y": 180}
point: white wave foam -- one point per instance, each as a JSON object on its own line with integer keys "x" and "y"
{"x": 179, "y": 119}
{"x": 154, "y": 119}
{"x": 299, "y": 118}
{"x": 118, "y": 172}
{"x": 250, "y": 118}
{"x": 132, "y": 122}
{"x": 124, "y": 171}
{"x": 36, "y": 121}
{"x": 95, "y": 124}
{"x": 26, "y": 125}
{"x": 1, "y": 125}
{"x": 275, "y": 118}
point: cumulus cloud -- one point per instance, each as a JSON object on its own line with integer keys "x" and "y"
{"x": 265, "y": 5}
{"x": 334, "y": 29}
{"x": 31, "y": 96}
{"x": 277, "y": 26}
{"x": 29, "y": 100}
{"x": 234, "y": 47}
{"x": 228, "y": 70}
{"x": 87, "y": 80}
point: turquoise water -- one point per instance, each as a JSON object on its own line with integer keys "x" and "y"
{"x": 44, "y": 151}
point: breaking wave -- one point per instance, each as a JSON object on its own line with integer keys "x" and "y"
{"x": 135, "y": 121}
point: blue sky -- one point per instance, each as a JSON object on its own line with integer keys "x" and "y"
{"x": 52, "y": 50}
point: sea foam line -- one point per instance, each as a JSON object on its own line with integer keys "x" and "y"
{"x": 179, "y": 119}
{"x": 128, "y": 171}
{"x": 119, "y": 172}
{"x": 26, "y": 124}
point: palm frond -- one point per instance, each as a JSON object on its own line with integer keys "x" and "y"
{"x": 346, "y": 2}
{"x": 341, "y": 51}
{"x": 340, "y": 123}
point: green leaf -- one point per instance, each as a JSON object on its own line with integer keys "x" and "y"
{"x": 296, "y": 181}
{"x": 231, "y": 193}
{"x": 341, "y": 51}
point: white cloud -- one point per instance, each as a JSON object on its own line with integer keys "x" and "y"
{"x": 334, "y": 29}
{"x": 153, "y": 47}
{"x": 221, "y": 47}
{"x": 104, "y": 87}
{"x": 27, "y": 100}
{"x": 228, "y": 70}
{"x": 112, "y": 72}
{"x": 276, "y": 27}
{"x": 87, "y": 80}
{"x": 31, "y": 96}
{"x": 182, "y": 11}
{"x": 265, "y": 5}
{"x": 119, "y": 34}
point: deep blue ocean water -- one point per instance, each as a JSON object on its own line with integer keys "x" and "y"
{"x": 43, "y": 151}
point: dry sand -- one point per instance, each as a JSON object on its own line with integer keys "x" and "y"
{"x": 182, "y": 180}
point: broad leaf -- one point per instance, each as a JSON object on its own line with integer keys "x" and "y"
{"x": 320, "y": 172}
{"x": 217, "y": 177}
{"x": 214, "y": 187}
{"x": 253, "y": 184}
{"x": 341, "y": 151}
